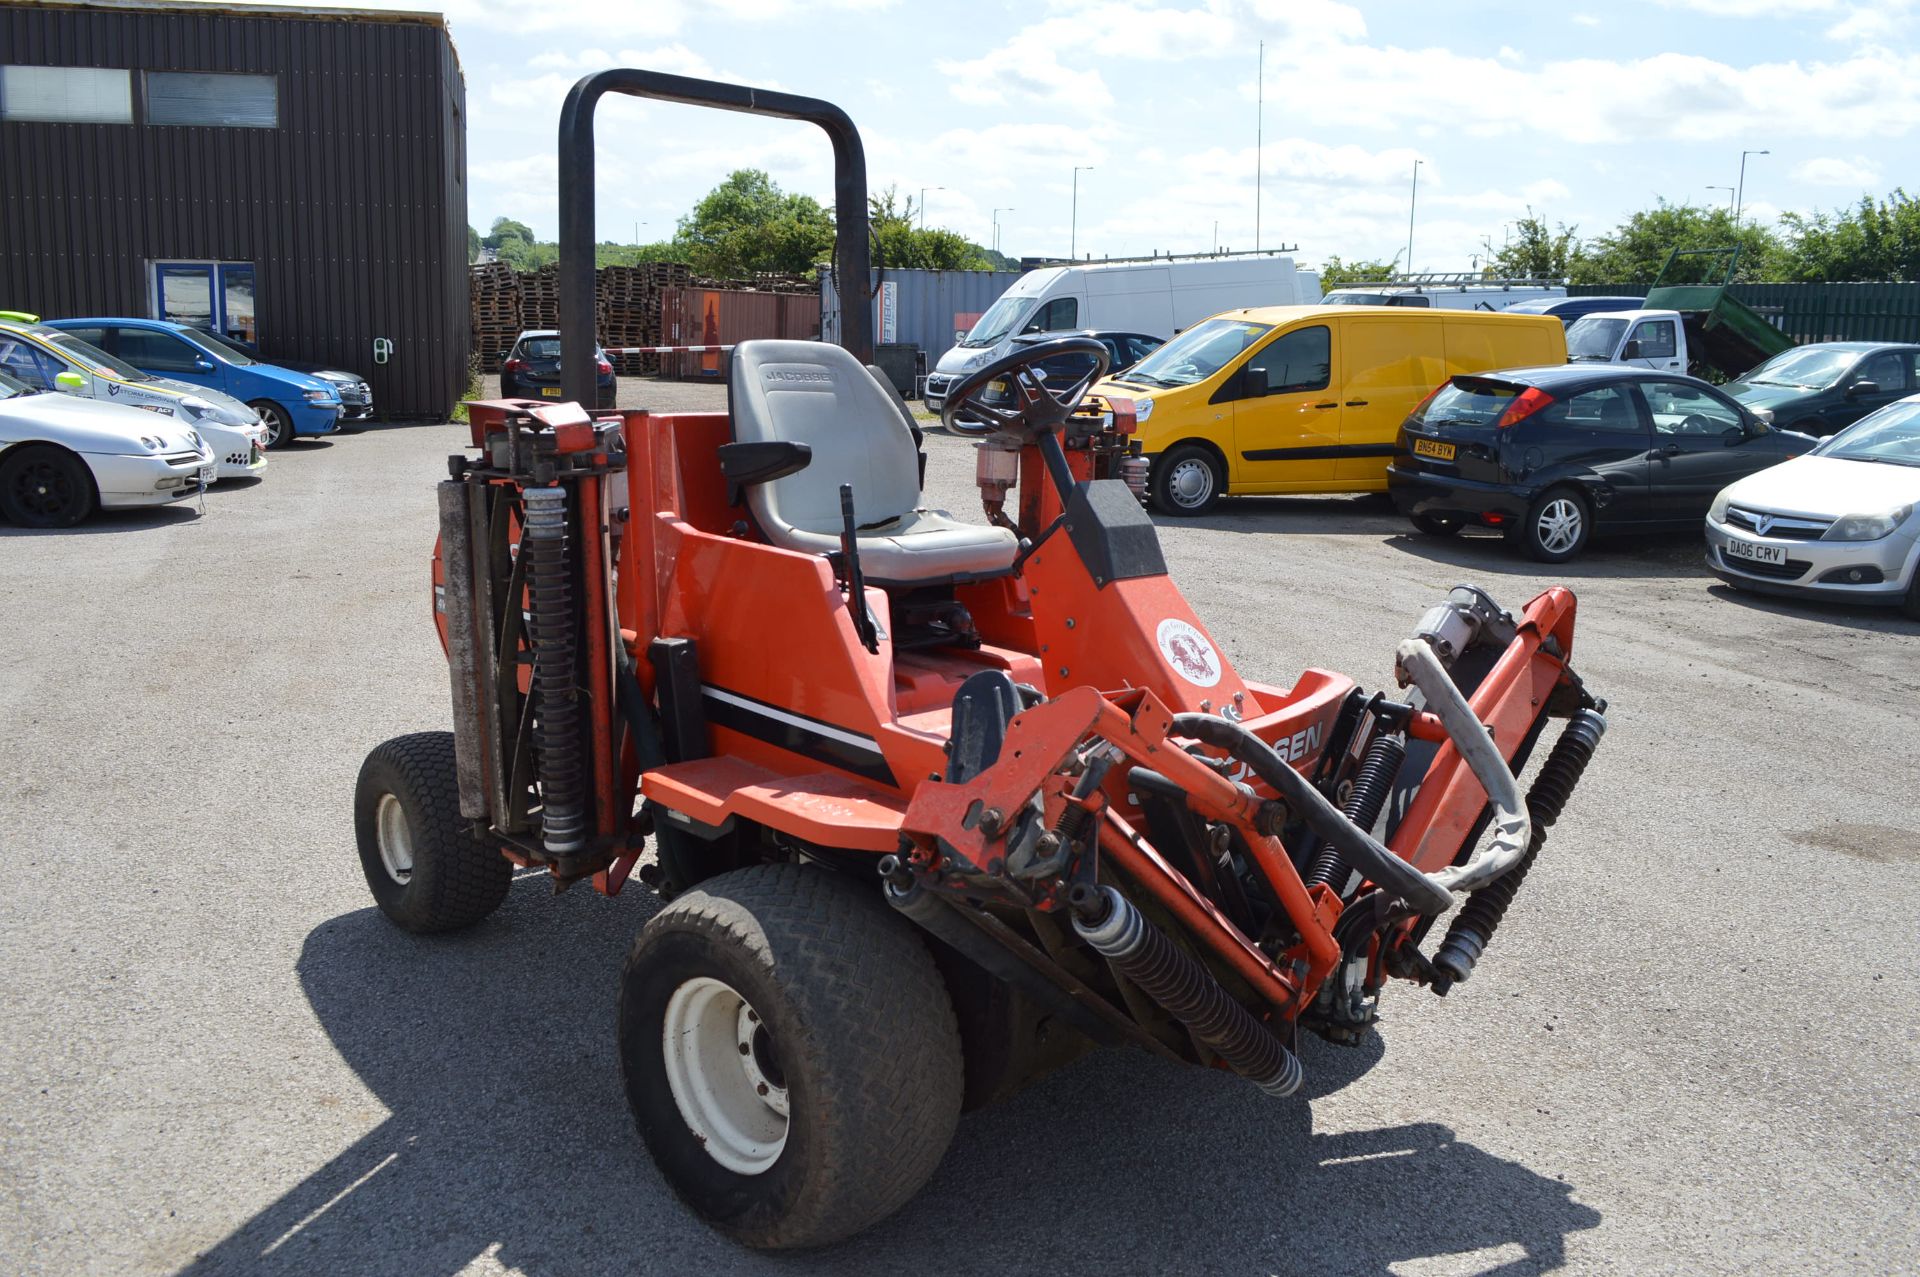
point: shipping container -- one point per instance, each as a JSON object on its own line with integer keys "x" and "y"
{"x": 296, "y": 178}
{"x": 727, "y": 317}
{"x": 928, "y": 309}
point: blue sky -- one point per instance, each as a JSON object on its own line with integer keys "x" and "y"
{"x": 1583, "y": 111}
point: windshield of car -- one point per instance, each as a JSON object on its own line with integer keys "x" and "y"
{"x": 10, "y": 387}
{"x": 1197, "y": 353}
{"x": 540, "y": 348}
{"x": 1802, "y": 369}
{"x": 1593, "y": 339}
{"x": 1891, "y": 435}
{"x": 96, "y": 360}
{"x": 1000, "y": 319}
{"x": 221, "y": 347}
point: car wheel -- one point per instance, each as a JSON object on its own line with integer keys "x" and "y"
{"x": 1911, "y": 604}
{"x": 1557, "y": 527}
{"x": 274, "y": 418}
{"x": 1185, "y": 481}
{"x": 1436, "y": 525}
{"x": 790, "y": 1054}
{"x": 45, "y": 486}
{"x": 425, "y": 868}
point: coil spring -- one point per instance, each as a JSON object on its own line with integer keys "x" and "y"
{"x": 1480, "y": 917}
{"x": 1143, "y": 954}
{"x": 551, "y": 626}
{"x": 1369, "y": 795}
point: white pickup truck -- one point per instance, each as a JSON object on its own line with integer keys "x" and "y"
{"x": 1643, "y": 338}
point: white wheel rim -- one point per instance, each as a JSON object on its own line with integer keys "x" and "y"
{"x": 395, "y": 839}
{"x": 1191, "y": 483}
{"x": 1559, "y": 526}
{"x": 724, "y": 1077}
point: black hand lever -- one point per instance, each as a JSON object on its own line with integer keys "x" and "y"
{"x": 856, "y": 582}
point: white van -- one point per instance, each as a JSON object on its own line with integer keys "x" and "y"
{"x": 1476, "y": 295}
{"x": 1156, "y": 296}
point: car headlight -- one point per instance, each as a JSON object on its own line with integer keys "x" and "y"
{"x": 196, "y": 406}
{"x": 1142, "y": 409}
{"x": 1867, "y": 527}
{"x": 1718, "y": 510}
{"x": 150, "y": 443}
{"x": 322, "y": 396}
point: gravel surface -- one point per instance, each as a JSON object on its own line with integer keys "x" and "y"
{"x": 1693, "y": 1047}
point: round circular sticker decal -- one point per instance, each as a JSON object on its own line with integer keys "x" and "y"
{"x": 1188, "y": 652}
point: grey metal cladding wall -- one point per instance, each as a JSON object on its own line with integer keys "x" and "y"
{"x": 353, "y": 210}
{"x": 929, "y": 299}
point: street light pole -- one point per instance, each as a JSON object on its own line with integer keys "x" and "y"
{"x": 923, "y": 203}
{"x": 1740, "y": 193}
{"x": 1412, "y": 197}
{"x": 1730, "y": 193}
{"x": 1073, "y": 234}
{"x": 996, "y": 225}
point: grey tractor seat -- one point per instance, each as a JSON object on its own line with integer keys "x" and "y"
{"x": 818, "y": 394}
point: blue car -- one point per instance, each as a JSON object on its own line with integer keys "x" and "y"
{"x": 289, "y": 403}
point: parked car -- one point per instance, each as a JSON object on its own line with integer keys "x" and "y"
{"x": 1304, "y": 398}
{"x": 49, "y": 358}
{"x": 531, "y": 369}
{"x": 1838, "y": 523}
{"x": 1153, "y": 296}
{"x": 1568, "y": 309}
{"x": 1123, "y": 351}
{"x": 289, "y": 403}
{"x": 1555, "y": 456}
{"x": 1477, "y": 295}
{"x": 356, "y": 396}
{"x": 1825, "y": 387}
{"x": 62, "y": 457}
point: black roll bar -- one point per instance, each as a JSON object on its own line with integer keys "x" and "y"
{"x": 851, "y": 258}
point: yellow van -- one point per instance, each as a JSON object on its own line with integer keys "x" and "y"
{"x": 1306, "y": 398}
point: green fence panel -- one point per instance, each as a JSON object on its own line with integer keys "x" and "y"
{"x": 1817, "y": 312}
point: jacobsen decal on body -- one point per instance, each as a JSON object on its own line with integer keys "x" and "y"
{"x": 1188, "y": 652}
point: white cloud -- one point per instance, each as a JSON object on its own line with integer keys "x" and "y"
{"x": 1026, "y": 71}
{"x": 1584, "y": 20}
{"x": 1830, "y": 170}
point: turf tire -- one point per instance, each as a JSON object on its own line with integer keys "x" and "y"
{"x": 455, "y": 879}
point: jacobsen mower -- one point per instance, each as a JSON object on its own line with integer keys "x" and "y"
{"x": 935, "y": 804}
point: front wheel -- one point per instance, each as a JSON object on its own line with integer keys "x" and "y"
{"x": 425, "y": 868}
{"x": 790, "y": 1054}
{"x": 1185, "y": 481}
{"x": 43, "y": 486}
{"x": 279, "y": 425}
{"x": 1557, "y": 526}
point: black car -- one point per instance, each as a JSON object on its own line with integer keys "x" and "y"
{"x": 1552, "y": 456}
{"x": 531, "y": 370}
{"x": 1568, "y": 309}
{"x": 356, "y": 396}
{"x": 1823, "y": 388}
{"x": 1124, "y": 350}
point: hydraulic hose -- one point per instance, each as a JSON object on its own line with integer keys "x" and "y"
{"x": 1356, "y": 846}
{"x": 1142, "y": 953}
{"x": 1511, "y": 826}
{"x": 551, "y": 622}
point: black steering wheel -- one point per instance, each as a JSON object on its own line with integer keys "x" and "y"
{"x": 1037, "y": 409}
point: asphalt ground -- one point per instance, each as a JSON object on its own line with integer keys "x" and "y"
{"x": 1693, "y": 1047}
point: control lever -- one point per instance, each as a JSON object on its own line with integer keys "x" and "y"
{"x": 863, "y": 625}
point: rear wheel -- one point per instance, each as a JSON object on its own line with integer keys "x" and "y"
{"x": 425, "y": 868}
{"x": 279, "y": 425}
{"x": 44, "y": 486}
{"x": 1911, "y": 604}
{"x": 1185, "y": 480}
{"x": 790, "y": 1054}
{"x": 1436, "y": 525}
{"x": 1557, "y": 526}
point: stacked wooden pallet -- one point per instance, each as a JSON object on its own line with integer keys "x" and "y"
{"x": 629, "y": 306}
{"x": 495, "y": 292}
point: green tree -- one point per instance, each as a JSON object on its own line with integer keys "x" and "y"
{"x": 1536, "y": 252}
{"x": 1337, "y": 273}
{"x": 1874, "y": 240}
{"x": 748, "y": 224}
{"x": 473, "y": 245}
{"x": 901, "y": 245}
{"x": 1634, "y": 251}
{"x": 607, "y": 253}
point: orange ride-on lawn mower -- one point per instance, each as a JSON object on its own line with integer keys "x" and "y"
{"x": 935, "y": 804}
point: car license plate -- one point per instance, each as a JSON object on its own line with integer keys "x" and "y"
{"x": 1433, "y": 448}
{"x": 997, "y": 388}
{"x": 1774, "y": 554}
{"x": 550, "y": 392}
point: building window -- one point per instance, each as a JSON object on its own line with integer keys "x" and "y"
{"x": 232, "y": 101}
{"x": 66, "y": 95}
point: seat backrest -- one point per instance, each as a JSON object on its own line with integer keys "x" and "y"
{"x": 815, "y": 393}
